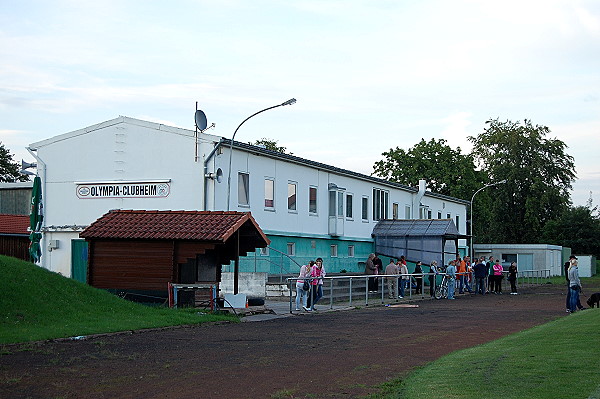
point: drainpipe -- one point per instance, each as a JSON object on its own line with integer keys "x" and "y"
{"x": 209, "y": 175}
{"x": 41, "y": 170}
{"x": 418, "y": 197}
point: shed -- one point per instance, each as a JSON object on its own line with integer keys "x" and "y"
{"x": 140, "y": 251}
{"x": 14, "y": 236}
{"x": 418, "y": 240}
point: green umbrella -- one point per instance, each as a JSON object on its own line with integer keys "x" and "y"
{"x": 35, "y": 220}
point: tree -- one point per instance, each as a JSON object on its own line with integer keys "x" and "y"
{"x": 9, "y": 170}
{"x": 446, "y": 170}
{"x": 270, "y": 144}
{"x": 577, "y": 228}
{"x": 539, "y": 174}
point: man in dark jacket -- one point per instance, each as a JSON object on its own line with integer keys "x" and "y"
{"x": 480, "y": 271}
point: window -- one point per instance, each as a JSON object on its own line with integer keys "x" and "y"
{"x": 395, "y": 211}
{"x": 340, "y": 204}
{"x": 291, "y": 248}
{"x": 264, "y": 251}
{"x": 332, "y": 207}
{"x": 334, "y": 249}
{"x": 380, "y": 204}
{"x": 243, "y": 189}
{"x": 269, "y": 193}
{"x": 448, "y": 216}
{"x": 351, "y": 251}
{"x": 312, "y": 200}
{"x": 292, "y": 187}
{"x": 349, "y": 206}
{"x": 407, "y": 212}
{"x": 439, "y": 215}
{"x": 457, "y": 222}
{"x": 429, "y": 214}
{"x": 365, "y": 208}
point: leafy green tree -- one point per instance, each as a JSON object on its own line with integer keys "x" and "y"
{"x": 270, "y": 144}
{"x": 9, "y": 170}
{"x": 539, "y": 174}
{"x": 577, "y": 228}
{"x": 447, "y": 171}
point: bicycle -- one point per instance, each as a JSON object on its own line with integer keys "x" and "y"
{"x": 441, "y": 291}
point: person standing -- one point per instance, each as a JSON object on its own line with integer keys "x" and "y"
{"x": 574, "y": 285}
{"x": 480, "y": 271}
{"x": 433, "y": 271}
{"x": 392, "y": 270}
{"x": 317, "y": 273}
{"x": 405, "y": 279}
{"x": 419, "y": 278}
{"x": 371, "y": 270}
{"x": 490, "y": 274}
{"x": 566, "y": 266}
{"x": 377, "y": 261}
{"x": 512, "y": 277}
{"x": 498, "y": 277}
{"x": 451, "y": 276}
{"x": 462, "y": 276}
{"x": 301, "y": 293}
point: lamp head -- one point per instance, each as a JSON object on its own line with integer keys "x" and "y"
{"x": 290, "y": 102}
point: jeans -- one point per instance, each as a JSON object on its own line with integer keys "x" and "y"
{"x": 402, "y": 286}
{"x": 579, "y": 305}
{"x": 574, "y": 299}
{"x": 316, "y": 292}
{"x": 464, "y": 284}
{"x": 451, "y": 285}
{"x": 301, "y": 295}
{"x": 480, "y": 285}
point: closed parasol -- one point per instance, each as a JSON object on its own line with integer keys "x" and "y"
{"x": 35, "y": 220}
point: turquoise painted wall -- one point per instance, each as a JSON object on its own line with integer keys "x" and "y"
{"x": 307, "y": 249}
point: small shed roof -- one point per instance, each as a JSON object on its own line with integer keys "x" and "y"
{"x": 171, "y": 225}
{"x": 14, "y": 224}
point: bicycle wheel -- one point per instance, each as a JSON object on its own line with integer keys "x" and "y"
{"x": 441, "y": 290}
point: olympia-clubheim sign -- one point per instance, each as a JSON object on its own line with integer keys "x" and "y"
{"x": 137, "y": 189}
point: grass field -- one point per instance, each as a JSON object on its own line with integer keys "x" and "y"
{"x": 36, "y": 304}
{"x": 560, "y": 359}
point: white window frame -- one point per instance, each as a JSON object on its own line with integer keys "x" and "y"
{"x": 349, "y": 209}
{"x": 264, "y": 251}
{"x": 272, "y": 182}
{"x": 316, "y": 211}
{"x": 395, "y": 210}
{"x": 351, "y": 251}
{"x": 334, "y": 250}
{"x": 295, "y": 185}
{"x": 364, "y": 209}
{"x": 246, "y": 193}
{"x": 407, "y": 212}
{"x": 291, "y": 249}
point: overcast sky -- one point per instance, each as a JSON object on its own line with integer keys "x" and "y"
{"x": 368, "y": 75}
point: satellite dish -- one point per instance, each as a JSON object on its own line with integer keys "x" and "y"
{"x": 200, "y": 119}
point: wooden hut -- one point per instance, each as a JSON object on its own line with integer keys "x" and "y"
{"x": 14, "y": 237}
{"x": 140, "y": 252}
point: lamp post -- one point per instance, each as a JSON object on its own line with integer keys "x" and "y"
{"x": 288, "y": 102}
{"x": 471, "y": 208}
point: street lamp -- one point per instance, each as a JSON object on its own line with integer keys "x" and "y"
{"x": 471, "y": 208}
{"x": 288, "y": 102}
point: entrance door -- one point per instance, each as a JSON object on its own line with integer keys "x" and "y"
{"x": 79, "y": 260}
{"x": 336, "y": 212}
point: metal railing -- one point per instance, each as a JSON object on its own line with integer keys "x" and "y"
{"x": 523, "y": 277}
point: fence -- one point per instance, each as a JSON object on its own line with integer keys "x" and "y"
{"x": 329, "y": 283}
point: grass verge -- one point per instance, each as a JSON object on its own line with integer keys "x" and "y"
{"x": 560, "y": 359}
{"x": 36, "y": 304}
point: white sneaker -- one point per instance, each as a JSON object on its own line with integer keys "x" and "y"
{"x": 297, "y": 310}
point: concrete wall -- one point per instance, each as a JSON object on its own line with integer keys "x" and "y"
{"x": 251, "y": 284}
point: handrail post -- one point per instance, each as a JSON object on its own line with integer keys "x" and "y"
{"x": 350, "y": 291}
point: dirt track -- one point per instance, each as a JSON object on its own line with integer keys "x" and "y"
{"x": 325, "y": 355}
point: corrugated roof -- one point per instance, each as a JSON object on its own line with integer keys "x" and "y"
{"x": 419, "y": 227}
{"x": 171, "y": 225}
{"x": 14, "y": 224}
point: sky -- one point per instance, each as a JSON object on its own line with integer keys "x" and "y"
{"x": 368, "y": 75}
